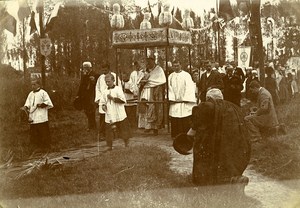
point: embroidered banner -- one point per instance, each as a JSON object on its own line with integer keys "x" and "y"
{"x": 244, "y": 55}
{"x": 150, "y": 37}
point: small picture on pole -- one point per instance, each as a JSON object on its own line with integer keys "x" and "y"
{"x": 45, "y": 46}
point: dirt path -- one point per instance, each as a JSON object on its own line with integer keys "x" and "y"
{"x": 269, "y": 192}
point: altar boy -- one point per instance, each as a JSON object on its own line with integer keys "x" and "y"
{"x": 37, "y": 104}
{"x": 113, "y": 104}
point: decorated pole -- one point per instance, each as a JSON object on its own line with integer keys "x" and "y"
{"x": 42, "y": 35}
{"x": 167, "y": 71}
{"x": 190, "y": 60}
{"x": 117, "y": 23}
{"x": 218, "y": 32}
{"x": 255, "y": 23}
{"x": 24, "y": 54}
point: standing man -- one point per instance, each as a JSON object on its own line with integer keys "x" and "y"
{"x": 210, "y": 79}
{"x": 113, "y": 104}
{"x": 135, "y": 77}
{"x": 86, "y": 93}
{"x": 153, "y": 90}
{"x": 37, "y": 104}
{"x": 100, "y": 88}
{"x": 182, "y": 100}
{"x": 265, "y": 116}
{"x": 251, "y": 75}
{"x": 233, "y": 85}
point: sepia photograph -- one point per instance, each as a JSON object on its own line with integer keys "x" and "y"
{"x": 149, "y": 103}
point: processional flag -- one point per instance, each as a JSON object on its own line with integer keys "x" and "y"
{"x": 24, "y": 10}
{"x": 150, "y": 10}
{"x": 226, "y": 10}
{"x": 32, "y": 23}
{"x": 52, "y": 18}
{"x": 244, "y": 55}
{"x": 7, "y": 21}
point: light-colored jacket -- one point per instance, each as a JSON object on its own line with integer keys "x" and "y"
{"x": 266, "y": 113}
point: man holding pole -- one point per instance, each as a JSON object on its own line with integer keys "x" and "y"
{"x": 182, "y": 99}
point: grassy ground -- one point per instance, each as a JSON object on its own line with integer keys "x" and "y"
{"x": 279, "y": 157}
{"x": 128, "y": 177}
{"x": 120, "y": 170}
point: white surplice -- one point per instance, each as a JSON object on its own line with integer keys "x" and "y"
{"x": 36, "y": 114}
{"x": 101, "y": 86}
{"x": 115, "y": 111}
{"x": 181, "y": 88}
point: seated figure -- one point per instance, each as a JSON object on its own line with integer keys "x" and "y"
{"x": 264, "y": 116}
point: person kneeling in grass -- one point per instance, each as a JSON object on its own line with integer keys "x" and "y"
{"x": 113, "y": 104}
{"x": 221, "y": 147}
{"x": 37, "y": 104}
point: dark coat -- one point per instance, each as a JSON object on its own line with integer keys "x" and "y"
{"x": 248, "y": 93}
{"x": 271, "y": 86}
{"x": 221, "y": 145}
{"x": 232, "y": 89}
{"x": 86, "y": 91}
{"x": 214, "y": 80}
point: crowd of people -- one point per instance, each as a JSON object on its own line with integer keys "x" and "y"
{"x": 204, "y": 104}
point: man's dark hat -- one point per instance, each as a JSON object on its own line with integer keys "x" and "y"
{"x": 183, "y": 144}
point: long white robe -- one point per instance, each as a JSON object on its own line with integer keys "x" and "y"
{"x": 134, "y": 79}
{"x": 181, "y": 88}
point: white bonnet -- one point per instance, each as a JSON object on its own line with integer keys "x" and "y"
{"x": 214, "y": 94}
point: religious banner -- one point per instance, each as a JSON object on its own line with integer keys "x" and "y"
{"x": 244, "y": 54}
{"x": 45, "y": 46}
{"x": 150, "y": 37}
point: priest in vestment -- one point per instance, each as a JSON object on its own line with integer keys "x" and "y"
{"x": 153, "y": 91}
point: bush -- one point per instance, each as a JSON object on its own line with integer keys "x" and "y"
{"x": 8, "y": 72}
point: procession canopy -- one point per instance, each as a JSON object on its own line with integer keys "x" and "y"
{"x": 150, "y": 38}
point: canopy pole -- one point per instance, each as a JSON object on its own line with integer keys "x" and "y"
{"x": 190, "y": 60}
{"x": 167, "y": 76}
{"x": 117, "y": 66}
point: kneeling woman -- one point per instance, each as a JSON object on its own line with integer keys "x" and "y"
{"x": 221, "y": 145}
